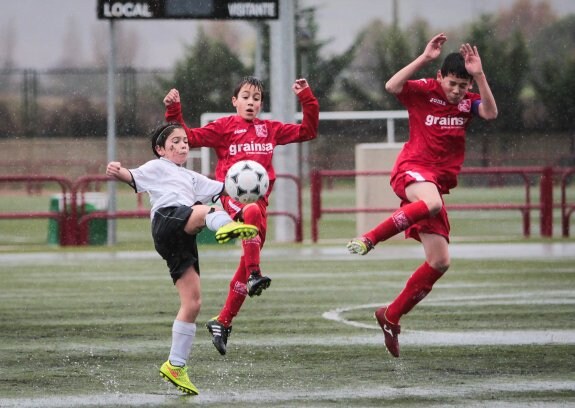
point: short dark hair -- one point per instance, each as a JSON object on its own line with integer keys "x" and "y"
{"x": 454, "y": 64}
{"x": 160, "y": 134}
{"x": 250, "y": 80}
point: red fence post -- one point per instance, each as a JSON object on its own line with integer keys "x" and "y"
{"x": 566, "y": 209}
{"x": 546, "y": 200}
{"x": 315, "y": 202}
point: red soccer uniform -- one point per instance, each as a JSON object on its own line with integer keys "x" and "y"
{"x": 235, "y": 139}
{"x": 436, "y": 132}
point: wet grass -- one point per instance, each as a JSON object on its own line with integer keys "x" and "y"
{"x": 94, "y": 331}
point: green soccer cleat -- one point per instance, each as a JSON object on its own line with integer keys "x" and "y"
{"x": 179, "y": 377}
{"x": 236, "y": 230}
{"x": 360, "y": 246}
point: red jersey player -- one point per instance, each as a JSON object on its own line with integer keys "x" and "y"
{"x": 246, "y": 137}
{"x": 440, "y": 110}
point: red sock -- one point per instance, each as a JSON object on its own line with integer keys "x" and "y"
{"x": 399, "y": 221}
{"x": 416, "y": 288}
{"x": 236, "y": 296}
{"x": 252, "y": 247}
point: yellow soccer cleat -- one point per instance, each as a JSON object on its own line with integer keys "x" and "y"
{"x": 360, "y": 246}
{"x": 235, "y": 230}
{"x": 179, "y": 377}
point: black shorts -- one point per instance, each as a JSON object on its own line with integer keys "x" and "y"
{"x": 178, "y": 248}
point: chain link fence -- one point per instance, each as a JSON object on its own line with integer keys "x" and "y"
{"x": 72, "y": 102}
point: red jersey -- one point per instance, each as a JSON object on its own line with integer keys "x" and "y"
{"x": 436, "y": 130}
{"x": 235, "y": 139}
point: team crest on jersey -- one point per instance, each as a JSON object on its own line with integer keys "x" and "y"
{"x": 261, "y": 131}
{"x": 464, "y": 105}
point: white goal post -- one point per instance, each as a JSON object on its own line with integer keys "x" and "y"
{"x": 390, "y": 116}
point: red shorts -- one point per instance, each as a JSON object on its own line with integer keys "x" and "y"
{"x": 436, "y": 225}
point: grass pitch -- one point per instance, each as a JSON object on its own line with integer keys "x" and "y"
{"x": 92, "y": 327}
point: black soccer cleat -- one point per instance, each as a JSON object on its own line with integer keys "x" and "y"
{"x": 219, "y": 333}
{"x": 257, "y": 283}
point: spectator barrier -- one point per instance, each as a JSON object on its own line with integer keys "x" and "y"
{"x": 545, "y": 205}
{"x": 73, "y": 219}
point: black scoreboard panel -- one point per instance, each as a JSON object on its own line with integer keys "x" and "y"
{"x": 188, "y": 9}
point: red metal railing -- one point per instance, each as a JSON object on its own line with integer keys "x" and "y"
{"x": 297, "y": 218}
{"x": 545, "y": 205}
{"x": 65, "y": 221}
{"x": 141, "y": 212}
{"x": 566, "y": 208}
{"x": 73, "y": 220}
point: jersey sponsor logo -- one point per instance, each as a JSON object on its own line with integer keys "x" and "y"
{"x": 251, "y": 147}
{"x": 445, "y": 121}
{"x": 438, "y": 101}
{"x": 261, "y": 130}
{"x": 239, "y": 131}
{"x": 464, "y": 105}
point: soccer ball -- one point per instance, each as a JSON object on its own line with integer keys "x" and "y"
{"x": 246, "y": 181}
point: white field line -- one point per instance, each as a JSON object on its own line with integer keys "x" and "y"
{"x": 460, "y": 338}
{"x": 536, "y": 250}
{"x": 488, "y": 392}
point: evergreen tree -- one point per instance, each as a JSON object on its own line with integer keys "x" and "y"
{"x": 206, "y": 78}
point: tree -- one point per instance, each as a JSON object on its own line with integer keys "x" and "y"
{"x": 506, "y": 64}
{"x": 553, "y": 73}
{"x": 382, "y": 51}
{"x": 554, "y": 77}
{"x": 526, "y": 17}
{"x": 127, "y": 46}
{"x": 7, "y": 45}
{"x": 71, "y": 46}
{"x": 205, "y": 77}
{"x": 321, "y": 72}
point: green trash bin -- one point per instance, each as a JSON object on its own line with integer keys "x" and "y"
{"x": 53, "y": 223}
{"x": 97, "y": 228}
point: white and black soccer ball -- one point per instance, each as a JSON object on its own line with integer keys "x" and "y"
{"x": 246, "y": 181}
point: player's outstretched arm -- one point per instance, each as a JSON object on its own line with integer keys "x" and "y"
{"x": 172, "y": 102}
{"x": 173, "y": 96}
{"x": 299, "y": 85}
{"x": 431, "y": 52}
{"x": 115, "y": 169}
{"x": 487, "y": 108}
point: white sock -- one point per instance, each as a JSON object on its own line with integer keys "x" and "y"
{"x": 183, "y": 334}
{"x": 217, "y": 219}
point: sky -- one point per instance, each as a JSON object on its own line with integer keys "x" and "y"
{"x": 34, "y": 32}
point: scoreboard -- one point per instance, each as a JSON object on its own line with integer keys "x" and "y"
{"x": 188, "y": 9}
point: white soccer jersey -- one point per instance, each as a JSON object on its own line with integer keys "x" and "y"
{"x": 170, "y": 185}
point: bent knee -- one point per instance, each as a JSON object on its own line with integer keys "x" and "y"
{"x": 440, "y": 264}
{"x": 434, "y": 206}
{"x": 252, "y": 214}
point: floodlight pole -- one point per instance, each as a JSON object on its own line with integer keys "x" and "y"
{"x": 111, "y": 138}
{"x": 283, "y": 101}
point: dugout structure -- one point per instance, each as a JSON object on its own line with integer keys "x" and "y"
{"x": 374, "y": 191}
